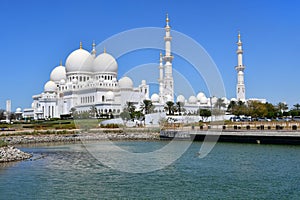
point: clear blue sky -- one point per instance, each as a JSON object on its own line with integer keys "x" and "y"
{"x": 36, "y": 35}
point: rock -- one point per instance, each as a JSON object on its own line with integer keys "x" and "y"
{"x": 10, "y": 153}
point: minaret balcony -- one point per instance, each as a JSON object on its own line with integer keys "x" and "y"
{"x": 239, "y": 51}
{"x": 168, "y": 58}
{"x": 240, "y": 68}
{"x": 168, "y": 38}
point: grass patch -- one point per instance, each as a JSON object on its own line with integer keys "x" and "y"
{"x": 3, "y": 143}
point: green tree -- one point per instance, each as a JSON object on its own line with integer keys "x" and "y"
{"x": 297, "y": 106}
{"x": 94, "y": 111}
{"x": 2, "y": 115}
{"x": 125, "y": 115}
{"x": 204, "y": 113}
{"x": 179, "y": 107}
{"x": 257, "y": 109}
{"x": 240, "y": 109}
{"x": 220, "y": 104}
{"x": 169, "y": 107}
{"x": 282, "y": 107}
{"x": 272, "y": 111}
{"x": 130, "y": 108}
{"x": 147, "y": 106}
{"x": 231, "y": 106}
{"x": 294, "y": 112}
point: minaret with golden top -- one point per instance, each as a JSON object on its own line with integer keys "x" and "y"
{"x": 240, "y": 87}
{"x": 168, "y": 78}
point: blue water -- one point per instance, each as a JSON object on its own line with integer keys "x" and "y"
{"x": 230, "y": 171}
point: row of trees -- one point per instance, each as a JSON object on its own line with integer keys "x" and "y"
{"x": 251, "y": 108}
{"x": 130, "y": 112}
{"x": 258, "y": 109}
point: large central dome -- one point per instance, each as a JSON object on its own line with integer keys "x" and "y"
{"x": 105, "y": 63}
{"x": 79, "y": 60}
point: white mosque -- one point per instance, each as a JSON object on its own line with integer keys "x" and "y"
{"x": 89, "y": 79}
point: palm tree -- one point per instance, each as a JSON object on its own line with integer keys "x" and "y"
{"x": 231, "y": 106}
{"x": 73, "y": 112}
{"x": 282, "y": 106}
{"x": 297, "y": 106}
{"x": 130, "y": 108}
{"x": 220, "y": 103}
{"x": 94, "y": 111}
{"x": 169, "y": 107}
{"x": 179, "y": 106}
{"x": 147, "y": 106}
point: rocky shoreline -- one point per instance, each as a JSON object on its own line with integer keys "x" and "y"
{"x": 31, "y": 139}
{"x": 10, "y": 153}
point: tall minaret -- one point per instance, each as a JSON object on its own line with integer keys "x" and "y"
{"x": 168, "y": 79}
{"x": 161, "y": 78}
{"x": 240, "y": 87}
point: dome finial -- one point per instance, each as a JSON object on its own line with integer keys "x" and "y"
{"x": 104, "y": 50}
{"x": 94, "y": 49}
{"x": 80, "y": 45}
{"x": 167, "y": 19}
{"x": 160, "y": 57}
{"x": 60, "y": 63}
{"x": 239, "y": 36}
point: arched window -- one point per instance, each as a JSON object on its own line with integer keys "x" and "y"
{"x": 103, "y": 98}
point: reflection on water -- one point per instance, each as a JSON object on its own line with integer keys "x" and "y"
{"x": 68, "y": 171}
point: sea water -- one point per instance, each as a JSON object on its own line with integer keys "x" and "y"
{"x": 229, "y": 171}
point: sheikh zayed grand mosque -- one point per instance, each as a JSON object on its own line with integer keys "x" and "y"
{"x": 91, "y": 79}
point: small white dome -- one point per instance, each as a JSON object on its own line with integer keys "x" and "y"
{"x": 192, "y": 100}
{"x": 143, "y": 82}
{"x": 225, "y": 100}
{"x": 62, "y": 81}
{"x": 180, "y": 99}
{"x": 155, "y": 98}
{"x": 126, "y": 83}
{"x": 233, "y": 99}
{"x": 169, "y": 98}
{"x": 105, "y": 63}
{"x": 58, "y": 73}
{"x": 200, "y": 95}
{"x": 214, "y": 100}
{"x": 79, "y": 60}
{"x": 50, "y": 86}
{"x": 18, "y": 110}
{"x": 203, "y": 100}
{"x": 109, "y": 96}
